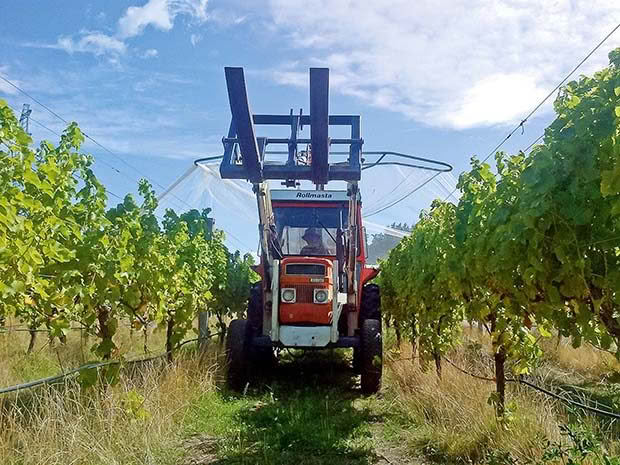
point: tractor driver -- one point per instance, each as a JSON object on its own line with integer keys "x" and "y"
{"x": 315, "y": 245}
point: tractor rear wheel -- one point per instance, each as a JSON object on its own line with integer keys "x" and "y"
{"x": 371, "y": 356}
{"x": 357, "y": 360}
{"x": 370, "y": 306}
{"x": 238, "y": 354}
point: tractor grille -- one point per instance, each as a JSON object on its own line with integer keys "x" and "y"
{"x": 306, "y": 268}
{"x": 305, "y": 293}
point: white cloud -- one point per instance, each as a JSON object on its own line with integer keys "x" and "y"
{"x": 150, "y": 53}
{"x": 227, "y": 17}
{"x": 159, "y": 14}
{"x": 96, "y": 43}
{"x": 472, "y": 63}
{"x": 195, "y": 39}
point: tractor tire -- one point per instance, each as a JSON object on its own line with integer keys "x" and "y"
{"x": 357, "y": 360}
{"x": 371, "y": 355}
{"x": 370, "y": 307}
{"x": 238, "y": 354}
{"x": 255, "y": 308}
{"x": 263, "y": 358}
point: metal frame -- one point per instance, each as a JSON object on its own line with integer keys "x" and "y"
{"x": 244, "y": 152}
{"x": 441, "y": 167}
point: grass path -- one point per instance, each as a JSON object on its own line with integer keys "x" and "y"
{"x": 308, "y": 411}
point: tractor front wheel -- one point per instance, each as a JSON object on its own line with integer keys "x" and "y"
{"x": 357, "y": 360}
{"x": 238, "y": 354}
{"x": 371, "y": 356}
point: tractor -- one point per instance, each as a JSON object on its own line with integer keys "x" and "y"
{"x": 315, "y": 290}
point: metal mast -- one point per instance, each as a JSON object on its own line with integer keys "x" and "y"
{"x": 24, "y": 118}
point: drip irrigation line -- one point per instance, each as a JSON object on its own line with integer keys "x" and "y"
{"x": 89, "y": 366}
{"x": 53, "y": 379}
{"x": 38, "y": 330}
{"x": 606, "y": 413}
{"x": 542, "y": 102}
{"x": 542, "y": 390}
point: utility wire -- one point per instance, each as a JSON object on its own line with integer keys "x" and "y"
{"x": 533, "y": 143}
{"x": 103, "y": 162}
{"x": 107, "y": 150}
{"x": 57, "y": 134}
{"x": 417, "y": 188}
{"x": 108, "y": 191}
{"x": 541, "y": 103}
{"x": 92, "y": 139}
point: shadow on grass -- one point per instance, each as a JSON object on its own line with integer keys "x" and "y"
{"x": 307, "y": 411}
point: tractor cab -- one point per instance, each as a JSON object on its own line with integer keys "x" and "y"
{"x": 308, "y": 223}
{"x": 315, "y": 290}
{"x": 309, "y": 228}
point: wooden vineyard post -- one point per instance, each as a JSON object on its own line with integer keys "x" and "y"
{"x": 203, "y": 330}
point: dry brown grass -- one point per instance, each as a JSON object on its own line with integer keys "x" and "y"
{"x": 451, "y": 419}
{"x": 137, "y": 421}
{"x": 454, "y": 421}
{"x": 48, "y": 359}
{"x": 585, "y": 362}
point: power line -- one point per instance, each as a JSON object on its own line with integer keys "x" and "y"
{"x": 93, "y": 140}
{"x": 533, "y": 143}
{"x": 116, "y": 195}
{"x": 108, "y": 191}
{"x": 105, "y": 163}
{"x": 541, "y": 103}
{"x": 34, "y": 99}
{"x": 417, "y": 188}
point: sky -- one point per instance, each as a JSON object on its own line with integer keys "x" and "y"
{"x": 144, "y": 78}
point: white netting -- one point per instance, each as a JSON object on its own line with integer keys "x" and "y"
{"x": 391, "y": 195}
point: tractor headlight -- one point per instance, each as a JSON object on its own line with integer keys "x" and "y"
{"x": 320, "y": 296}
{"x": 289, "y": 295}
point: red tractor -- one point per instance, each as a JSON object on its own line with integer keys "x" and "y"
{"x": 315, "y": 291}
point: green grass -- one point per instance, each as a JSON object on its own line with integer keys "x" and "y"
{"x": 307, "y": 412}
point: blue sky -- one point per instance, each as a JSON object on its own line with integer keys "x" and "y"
{"x": 145, "y": 78}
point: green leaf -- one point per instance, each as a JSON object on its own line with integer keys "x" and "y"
{"x": 544, "y": 332}
{"x": 88, "y": 377}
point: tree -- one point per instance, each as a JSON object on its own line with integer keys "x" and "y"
{"x": 382, "y": 243}
{"x": 535, "y": 247}
{"x": 42, "y": 218}
{"x": 231, "y": 294}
